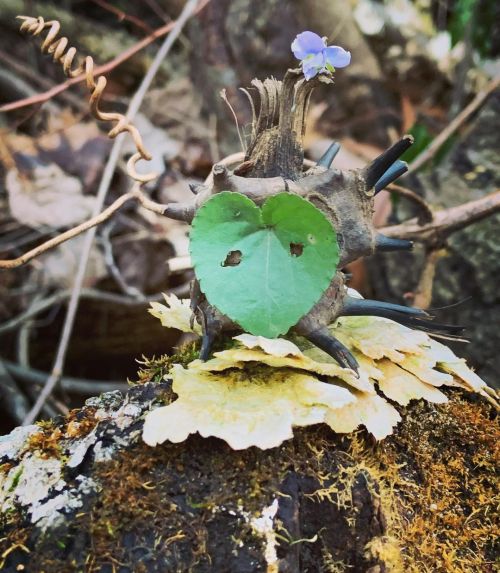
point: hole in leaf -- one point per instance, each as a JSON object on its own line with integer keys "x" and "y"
{"x": 233, "y": 259}
{"x": 296, "y": 249}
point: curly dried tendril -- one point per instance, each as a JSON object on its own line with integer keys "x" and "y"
{"x": 64, "y": 55}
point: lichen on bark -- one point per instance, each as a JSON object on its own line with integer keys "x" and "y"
{"x": 421, "y": 500}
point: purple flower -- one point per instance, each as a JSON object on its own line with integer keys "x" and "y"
{"x": 316, "y": 57}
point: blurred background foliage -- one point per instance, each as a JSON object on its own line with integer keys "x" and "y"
{"x": 415, "y": 66}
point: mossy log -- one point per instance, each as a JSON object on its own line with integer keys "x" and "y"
{"x": 84, "y": 493}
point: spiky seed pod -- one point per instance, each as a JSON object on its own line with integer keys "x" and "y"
{"x": 273, "y": 164}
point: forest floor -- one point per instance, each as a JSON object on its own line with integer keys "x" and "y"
{"x": 414, "y": 70}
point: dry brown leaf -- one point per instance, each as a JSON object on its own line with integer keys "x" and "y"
{"x": 48, "y": 197}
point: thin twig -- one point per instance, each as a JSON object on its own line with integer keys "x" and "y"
{"x": 109, "y": 169}
{"x": 23, "y": 338}
{"x": 223, "y": 95}
{"x": 121, "y": 15}
{"x": 158, "y": 10}
{"x": 43, "y": 82}
{"x": 438, "y": 141}
{"x": 423, "y": 292}
{"x": 105, "y": 68}
{"x": 427, "y": 213}
{"x": 446, "y": 221}
{"x": 69, "y": 234}
{"x": 114, "y": 271}
{"x": 14, "y": 402}
{"x": 88, "y": 293}
{"x": 69, "y": 384}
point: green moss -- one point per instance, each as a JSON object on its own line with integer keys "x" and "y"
{"x": 431, "y": 486}
{"x": 46, "y": 443}
{"x": 157, "y": 369}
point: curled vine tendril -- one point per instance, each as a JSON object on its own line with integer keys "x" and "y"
{"x": 65, "y": 55}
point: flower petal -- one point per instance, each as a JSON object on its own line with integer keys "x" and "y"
{"x": 337, "y": 57}
{"x": 312, "y": 65}
{"x": 307, "y": 43}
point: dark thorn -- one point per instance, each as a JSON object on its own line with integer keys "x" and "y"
{"x": 180, "y": 211}
{"x": 323, "y": 339}
{"x": 195, "y": 188}
{"x": 397, "y": 169}
{"x": 327, "y": 158}
{"x": 432, "y": 327}
{"x": 366, "y": 307}
{"x": 209, "y": 329}
{"x": 407, "y": 316}
{"x": 384, "y": 244}
{"x": 377, "y": 168}
{"x": 206, "y": 346}
{"x": 195, "y": 296}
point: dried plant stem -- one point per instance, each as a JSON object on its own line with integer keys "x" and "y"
{"x": 427, "y": 213}
{"x": 450, "y": 129}
{"x": 446, "y": 221}
{"x": 92, "y": 294}
{"x": 109, "y": 169}
{"x": 423, "y": 292}
{"x": 59, "y": 47}
{"x": 105, "y": 68}
{"x": 70, "y": 234}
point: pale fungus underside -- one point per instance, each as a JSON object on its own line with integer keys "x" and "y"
{"x": 256, "y": 390}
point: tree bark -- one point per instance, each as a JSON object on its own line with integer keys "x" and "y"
{"x": 86, "y": 494}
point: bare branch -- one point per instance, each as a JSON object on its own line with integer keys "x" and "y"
{"x": 423, "y": 292}
{"x": 94, "y": 294}
{"x": 450, "y": 129}
{"x": 70, "y": 234}
{"x": 446, "y": 221}
{"x": 69, "y": 384}
{"x": 427, "y": 212}
{"x": 14, "y": 401}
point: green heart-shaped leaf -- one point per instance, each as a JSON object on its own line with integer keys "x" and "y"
{"x": 263, "y": 268}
